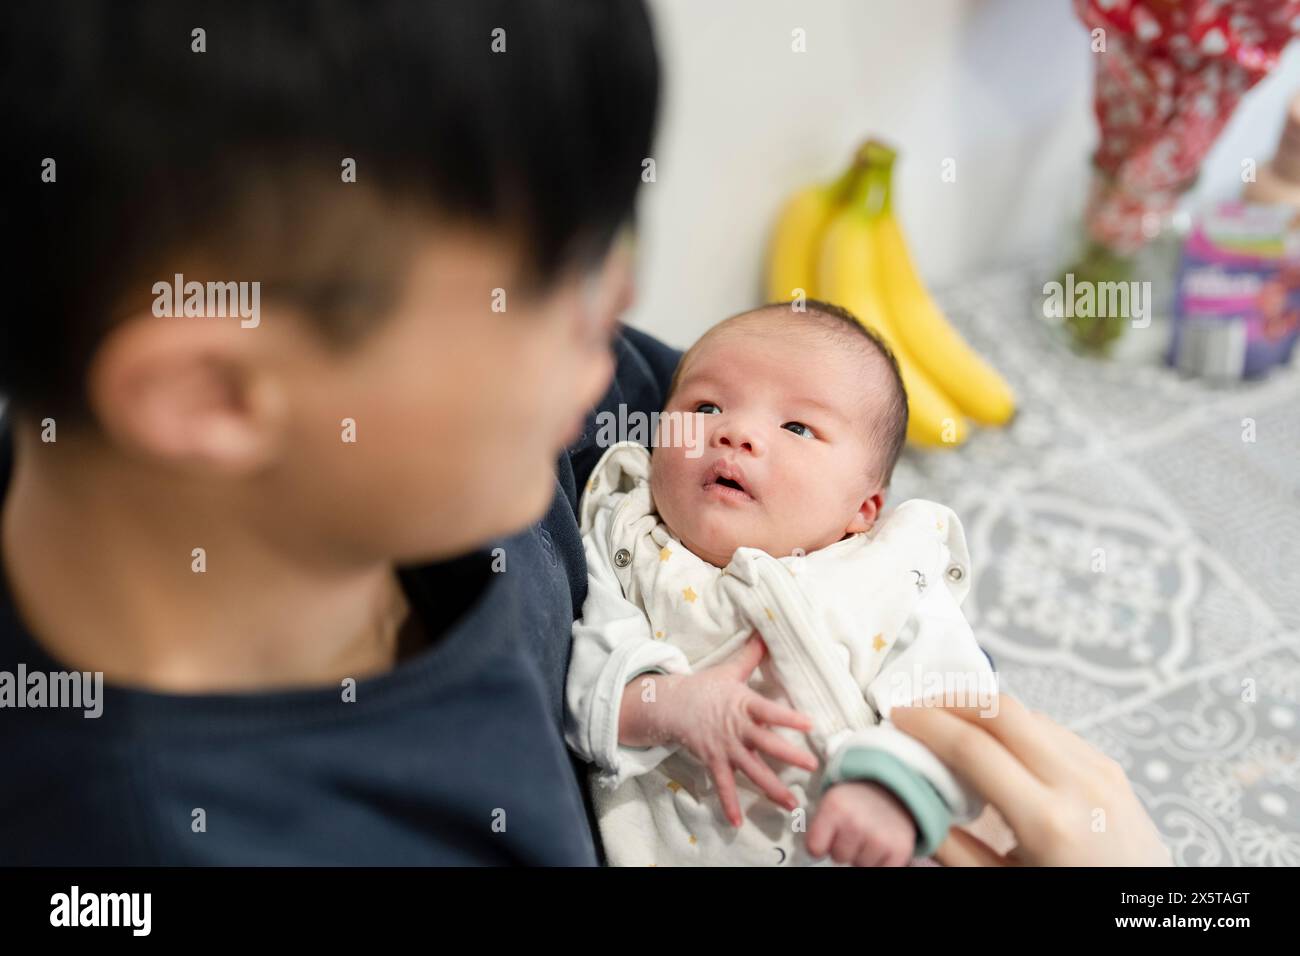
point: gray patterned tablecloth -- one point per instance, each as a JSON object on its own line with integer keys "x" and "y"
{"x": 1181, "y": 659}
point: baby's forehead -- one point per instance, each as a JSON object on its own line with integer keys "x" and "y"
{"x": 795, "y": 340}
{"x": 834, "y": 367}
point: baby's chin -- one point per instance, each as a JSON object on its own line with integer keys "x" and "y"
{"x": 717, "y": 545}
{"x": 713, "y": 533}
{"x": 710, "y": 548}
{"x": 707, "y": 541}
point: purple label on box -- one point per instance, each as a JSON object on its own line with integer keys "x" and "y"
{"x": 1237, "y": 307}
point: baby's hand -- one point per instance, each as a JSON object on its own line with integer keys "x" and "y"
{"x": 723, "y": 723}
{"x": 862, "y": 824}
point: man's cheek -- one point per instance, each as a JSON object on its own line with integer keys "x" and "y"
{"x": 595, "y": 373}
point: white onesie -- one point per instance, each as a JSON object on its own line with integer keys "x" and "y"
{"x": 868, "y": 622}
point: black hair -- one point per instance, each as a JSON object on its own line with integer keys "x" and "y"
{"x": 890, "y": 429}
{"x": 160, "y": 148}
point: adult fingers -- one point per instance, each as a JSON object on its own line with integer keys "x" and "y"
{"x": 1033, "y": 738}
{"x": 965, "y": 849}
{"x": 978, "y": 757}
{"x": 1033, "y": 744}
{"x": 1083, "y": 755}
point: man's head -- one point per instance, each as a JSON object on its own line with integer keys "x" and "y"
{"x": 802, "y": 419}
{"x": 426, "y": 195}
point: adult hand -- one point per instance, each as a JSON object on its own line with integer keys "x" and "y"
{"x": 1068, "y": 803}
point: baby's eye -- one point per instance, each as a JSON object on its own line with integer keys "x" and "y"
{"x": 799, "y": 428}
{"x": 708, "y": 408}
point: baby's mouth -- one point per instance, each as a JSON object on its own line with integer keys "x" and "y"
{"x": 727, "y": 481}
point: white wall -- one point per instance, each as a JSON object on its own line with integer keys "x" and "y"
{"x": 1003, "y": 87}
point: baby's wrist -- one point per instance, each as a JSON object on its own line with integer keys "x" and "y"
{"x": 645, "y": 714}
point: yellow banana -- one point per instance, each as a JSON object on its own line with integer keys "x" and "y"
{"x": 848, "y": 276}
{"x": 972, "y": 384}
{"x": 792, "y": 252}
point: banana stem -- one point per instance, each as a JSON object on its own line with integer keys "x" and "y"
{"x": 843, "y": 185}
{"x": 871, "y": 193}
{"x": 879, "y": 158}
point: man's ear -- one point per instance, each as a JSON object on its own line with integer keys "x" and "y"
{"x": 866, "y": 515}
{"x": 188, "y": 391}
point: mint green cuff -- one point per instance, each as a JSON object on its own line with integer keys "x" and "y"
{"x": 923, "y": 802}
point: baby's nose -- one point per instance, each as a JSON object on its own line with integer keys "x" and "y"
{"x": 737, "y": 437}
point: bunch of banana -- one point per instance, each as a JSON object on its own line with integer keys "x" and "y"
{"x": 796, "y": 240}
{"x": 839, "y": 242}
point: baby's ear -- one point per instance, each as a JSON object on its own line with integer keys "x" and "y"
{"x": 866, "y": 514}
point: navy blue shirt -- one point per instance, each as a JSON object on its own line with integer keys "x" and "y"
{"x": 455, "y": 756}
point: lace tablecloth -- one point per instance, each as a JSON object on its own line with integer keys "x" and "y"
{"x": 1137, "y": 570}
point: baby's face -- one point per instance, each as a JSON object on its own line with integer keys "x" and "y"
{"x": 787, "y": 417}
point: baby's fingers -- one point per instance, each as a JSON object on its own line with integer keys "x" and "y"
{"x": 873, "y": 853}
{"x": 725, "y": 781}
{"x": 763, "y": 777}
{"x": 774, "y": 745}
{"x": 821, "y": 833}
{"x": 770, "y": 712}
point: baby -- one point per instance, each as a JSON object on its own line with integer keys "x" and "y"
{"x": 769, "y": 523}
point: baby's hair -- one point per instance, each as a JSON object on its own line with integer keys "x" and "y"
{"x": 889, "y": 432}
